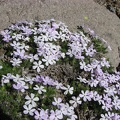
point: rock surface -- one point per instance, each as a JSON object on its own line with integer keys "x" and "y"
{"x": 72, "y": 12}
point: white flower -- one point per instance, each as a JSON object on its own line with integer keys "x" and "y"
{"x": 98, "y": 98}
{"x": 58, "y": 85}
{"x": 57, "y": 101}
{"x": 27, "y": 39}
{"x": 116, "y": 102}
{"x": 68, "y": 89}
{"x": 104, "y": 62}
{"x": 86, "y": 95}
{"x": 93, "y": 82}
{"x": 23, "y": 46}
{"x": 29, "y": 109}
{"x": 38, "y": 66}
{"x": 20, "y": 86}
{"x": 31, "y": 100}
{"x": 107, "y": 116}
{"x": 44, "y": 37}
{"x": 59, "y": 114}
{"x": 15, "y": 44}
{"x": 82, "y": 79}
{"x": 1, "y": 67}
{"x": 39, "y": 88}
{"x": 110, "y": 91}
{"x": 48, "y": 60}
{"x": 17, "y": 79}
{"x": 33, "y": 57}
{"x": 16, "y": 61}
{"x": 75, "y": 101}
{"x": 63, "y": 55}
{"x": 29, "y": 79}
{"x": 37, "y": 39}
{"x": 83, "y": 66}
{"x": 20, "y": 53}
{"x": 16, "y": 36}
{"x": 6, "y": 79}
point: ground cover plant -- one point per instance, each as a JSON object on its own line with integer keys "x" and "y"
{"x": 50, "y": 73}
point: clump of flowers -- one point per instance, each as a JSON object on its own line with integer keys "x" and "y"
{"x": 31, "y": 47}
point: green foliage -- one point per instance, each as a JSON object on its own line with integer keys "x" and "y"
{"x": 10, "y": 103}
{"x": 98, "y": 45}
{"x": 48, "y": 97}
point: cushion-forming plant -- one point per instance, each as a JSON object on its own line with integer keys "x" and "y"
{"x": 90, "y": 91}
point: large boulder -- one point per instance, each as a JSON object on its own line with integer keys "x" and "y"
{"x": 71, "y": 12}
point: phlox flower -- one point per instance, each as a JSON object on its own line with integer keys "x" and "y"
{"x": 82, "y": 79}
{"x": 49, "y": 60}
{"x": 20, "y": 53}
{"x": 56, "y": 115}
{"x": 38, "y": 79}
{"x": 95, "y": 63}
{"x": 1, "y": 67}
{"x": 33, "y": 57}
{"x": 40, "y": 89}
{"x": 20, "y": 86}
{"x": 43, "y": 37}
{"x": 47, "y": 81}
{"x": 86, "y": 95}
{"x": 17, "y": 37}
{"x": 104, "y": 62}
{"x": 90, "y": 51}
{"x": 18, "y": 78}
{"x": 103, "y": 83}
{"x": 116, "y": 102}
{"x": 111, "y": 91}
{"x": 5, "y": 32}
{"x": 107, "y": 116}
{"x": 107, "y": 106}
{"x": 37, "y": 39}
{"x": 29, "y": 79}
{"x": 16, "y": 61}
{"x": 83, "y": 66}
{"x": 57, "y": 101}
{"x": 58, "y": 85}
{"x": 41, "y": 114}
{"x": 26, "y": 39}
{"x": 27, "y": 31}
{"x": 7, "y": 78}
{"x": 98, "y": 98}
{"x": 91, "y": 32}
{"x": 29, "y": 109}
{"x": 15, "y": 45}
{"x": 93, "y": 82}
{"x": 68, "y": 89}
{"x": 7, "y": 38}
{"x": 23, "y": 46}
{"x": 38, "y": 66}
{"x": 69, "y": 52}
{"x": 63, "y": 109}
{"x": 91, "y": 67}
{"x": 61, "y": 36}
{"x": 84, "y": 43}
{"x": 71, "y": 114}
{"x": 98, "y": 70}
{"x": 75, "y": 101}
{"x": 31, "y": 100}
{"x": 35, "y": 30}
{"x": 116, "y": 116}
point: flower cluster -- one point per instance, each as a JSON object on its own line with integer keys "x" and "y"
{"x": 32, "y": 47}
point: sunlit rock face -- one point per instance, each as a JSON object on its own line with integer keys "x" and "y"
{"x": 73, "y": 13}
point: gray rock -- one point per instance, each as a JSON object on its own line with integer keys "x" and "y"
{"x": 71, "y": 12}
